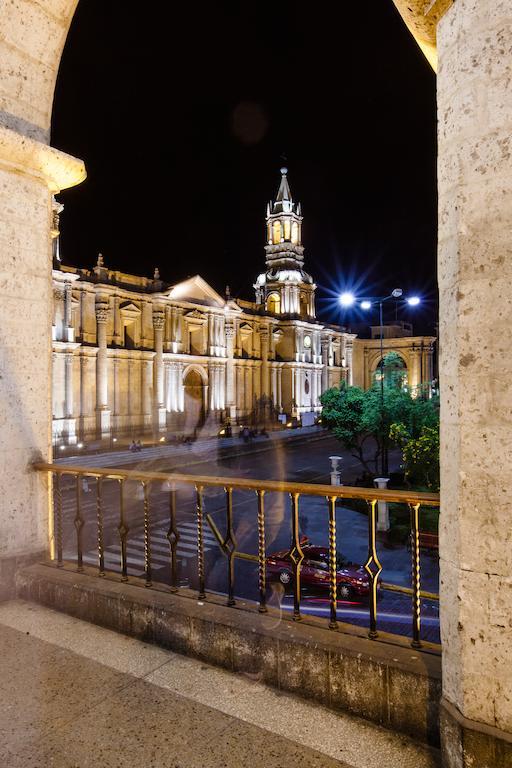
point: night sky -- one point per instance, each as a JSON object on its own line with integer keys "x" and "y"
{"x": 184, "y": 122}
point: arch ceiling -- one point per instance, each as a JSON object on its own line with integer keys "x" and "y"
{"x": 32, "y": 37}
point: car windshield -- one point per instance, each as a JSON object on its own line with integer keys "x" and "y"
{"x": 321, "y": 559}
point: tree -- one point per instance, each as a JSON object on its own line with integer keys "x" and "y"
{"x": 420, "y": 454}
{"x": 362, "y": 420}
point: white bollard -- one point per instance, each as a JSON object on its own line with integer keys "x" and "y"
{"x": 335, "y": 472}
{"x": 382, "y": 506}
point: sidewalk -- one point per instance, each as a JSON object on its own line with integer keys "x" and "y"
{"x": 77, "y": 696}
{"x": 197, "y": 451}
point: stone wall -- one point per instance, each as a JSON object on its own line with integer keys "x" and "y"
{"x": 475, "y": 271}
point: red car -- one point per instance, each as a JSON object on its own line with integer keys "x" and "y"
{"x": 353, "y": 581}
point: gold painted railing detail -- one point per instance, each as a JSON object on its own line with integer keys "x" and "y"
{"x": 228, "y": 542}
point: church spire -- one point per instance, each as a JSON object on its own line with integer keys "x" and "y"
{"x": 285, "y": 284}
{"x": 284, "y": 201}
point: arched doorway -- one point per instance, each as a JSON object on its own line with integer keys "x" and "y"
{"x": 194, "y": 400}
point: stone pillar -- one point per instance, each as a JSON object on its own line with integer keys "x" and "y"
{"x": 147, "y": 380}
{"x": 325, "y": 364}
{"x": 279, "y": 389}
{"x": 68, "y": 327}
{"x": 30, "y": 172}
{"x": 68, "y": 400}
{"x": 102, "y": 409}
{"x": 181, "y": 388}
{"x": 475, "y": 273}
{"x": 313, "y": 387}
{"x": 382, "y": 506}
{"x": 264, "y": 341}
{"x": 158, "y": 369}
{"x": 84, "y": 390}
{"x": 230, "y": 371}
{"x": 248, "y": 387}
{"x": 239, "y": 387}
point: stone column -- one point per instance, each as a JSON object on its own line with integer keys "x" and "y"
{"x": 102, "y": 409}
{"x": 475, "y": 274}
{"x": 181, "y": 388}
{"x": 264, "y": 342}
{"x": 248, "y": 387}
{"x": 147, "y": 380}
{"x": 68, "y": 402}
{"x": 325, "y": 364}
{"x": 117, "y": 322}
{"x": 84, "y": 389}
{"x": 68, "y": 327}
{"x": 313, "y": 388}
{"x": 230, "y": 371}
{"x": 158, "y": 369}
{"x": 117, "y": 395}
{"x": 279, "y": 388}
{"x": 349, "y": 353}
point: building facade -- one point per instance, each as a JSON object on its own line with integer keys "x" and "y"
{"x": 133, "y": 355}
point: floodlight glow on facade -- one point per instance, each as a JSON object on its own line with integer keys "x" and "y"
{"x": 347, "y": 299}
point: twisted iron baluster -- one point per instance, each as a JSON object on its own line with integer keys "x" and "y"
{"x": 333, "y": 574}
{"x": 229, "y": 546}
{"x": 416, "y": 588}
{"x": 372, "y": 575}
{"x": 147, "y": 536}
{"x": 262, "y": 569}
{"x": 173, "y": 537}
{"x": 99, "y": 519}
{"x": 79, "y": 524}
{"x": 200, "y": 546}
{"x": 296, "y": 556}
{"x": 123, "y": 532}
{"x": 58, "y": 520}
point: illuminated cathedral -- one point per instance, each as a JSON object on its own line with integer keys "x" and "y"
{"x": 134, "y": 355}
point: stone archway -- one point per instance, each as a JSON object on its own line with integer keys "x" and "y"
{"x": 195, "y": 397}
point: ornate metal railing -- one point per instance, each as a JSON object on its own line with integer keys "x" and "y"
{"x": 227, "y": 543}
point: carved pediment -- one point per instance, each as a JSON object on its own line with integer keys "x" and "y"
{"x": 195, "y": 317}
{"x": 129, "y": 308}
{"x": 245, "y": 329}
{"x": 195, "y": 289}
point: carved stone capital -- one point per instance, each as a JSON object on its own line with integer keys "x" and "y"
{"x": 158, "y": 321}
{"x": 102, "y": 311}
{"x": 230, "y": 331}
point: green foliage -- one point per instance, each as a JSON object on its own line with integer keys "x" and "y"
{"x": 368, "y": 422}
{"x": 420, "y": 453}
{"x": 393, "y": 370}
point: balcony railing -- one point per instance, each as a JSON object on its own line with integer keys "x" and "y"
{"x": 171, "y": 483}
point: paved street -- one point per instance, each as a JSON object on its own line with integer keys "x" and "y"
{"x": 305, "y": 461}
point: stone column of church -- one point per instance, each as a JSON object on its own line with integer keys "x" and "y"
{"x": 117, "y": 322}
{"x": 313, "y": 387}
{"x": 279, "y": 388}
{"x": 325, "y": 364}
{"x": 247, "y": 388}
{"x": 298, "y": 387}
{"x": 102, "y": 410}
{"x": 147, "y": 378}
{"x": 84, "y": 389}
{"x": 158, "y": 369}
{"x": 230, "y": 371}
{"x": 181, "y": 388}
{"x": 116, "y": 362}
{"x": 264, "y": 341}
{"x": 68, "y": 312}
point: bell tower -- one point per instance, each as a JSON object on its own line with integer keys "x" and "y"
{"x": 285, "y": 288}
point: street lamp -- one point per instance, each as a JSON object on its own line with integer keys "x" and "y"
{"x": 347, "y": 299}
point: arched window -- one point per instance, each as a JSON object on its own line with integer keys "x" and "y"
{"x": 304, "y": 305}
{"x": 274, "y": 303}
{"x": 276, "y": 229}
{"x": 286, "y": 229}
{"x": 295, "y": 233}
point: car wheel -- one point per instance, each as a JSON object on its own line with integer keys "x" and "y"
{"x": 285, "y": 578}
{"x": 344, "y": 592}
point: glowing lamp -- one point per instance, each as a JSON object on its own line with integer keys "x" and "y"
{"x": 347, "y": 299}
{"x": 366, "y": 305}
{"x": 413, "y": 301}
